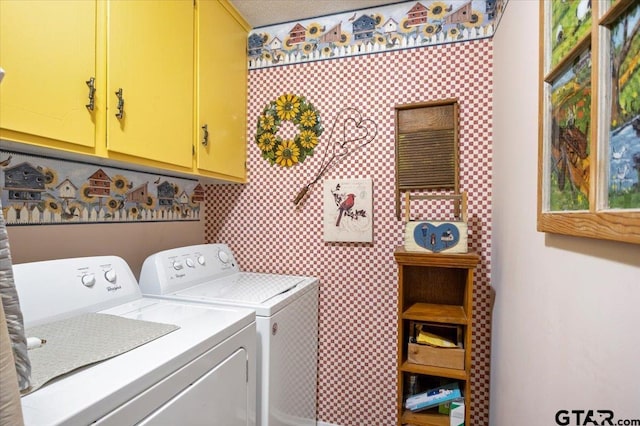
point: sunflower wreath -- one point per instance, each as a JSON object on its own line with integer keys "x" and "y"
{"x": 300, "y": 112}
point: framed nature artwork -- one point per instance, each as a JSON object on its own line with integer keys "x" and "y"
{"x": 348, "y": 206}
{"x": 589, "y": 140}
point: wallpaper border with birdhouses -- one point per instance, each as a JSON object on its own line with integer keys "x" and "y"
{"x": 589, "y": 139}
{"x": 403, "y": 25}
{"x": 38, "y": 190}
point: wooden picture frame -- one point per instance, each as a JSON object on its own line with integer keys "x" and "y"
{"x": 589, "y": 120}
{"x": 348, "y": 210}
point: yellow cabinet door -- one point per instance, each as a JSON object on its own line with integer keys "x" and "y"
{"x": 150, "y": 58}
{"x": 222, "y": 92}
{"x": 48, "y": 52}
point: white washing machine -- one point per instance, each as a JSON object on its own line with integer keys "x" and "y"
{"x": 203, "y": 372}
{"x": 286, "y": 309}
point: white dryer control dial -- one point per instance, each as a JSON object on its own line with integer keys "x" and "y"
{"x": 88, "y": 279}
{"x": 110, "y": 275}
{"x": 177, "y": 265}
{"x": 190, "y": 263}
{"x": 201, "y": 260}
{"x": 223, "y": 256}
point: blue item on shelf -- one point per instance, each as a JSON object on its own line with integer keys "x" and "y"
{"x": 433, "y": 397}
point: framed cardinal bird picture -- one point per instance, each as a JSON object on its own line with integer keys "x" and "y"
{"x": 348, "y": 205}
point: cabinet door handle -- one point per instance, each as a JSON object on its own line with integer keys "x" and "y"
{"x": 91, "y": 83}
{"x": 120, "y": 112}
{"x": 205, "y": 135}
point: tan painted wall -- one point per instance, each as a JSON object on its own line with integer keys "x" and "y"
{"x": 565, "y": 329}
{"x": 131, "y": 241}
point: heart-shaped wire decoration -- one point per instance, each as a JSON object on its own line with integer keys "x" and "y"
{"x": 357, "y": 132}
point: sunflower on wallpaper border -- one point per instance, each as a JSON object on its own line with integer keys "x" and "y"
{"x": 289, "y": 151}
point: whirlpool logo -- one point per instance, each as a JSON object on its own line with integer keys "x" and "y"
{"x": 591, "y": 417}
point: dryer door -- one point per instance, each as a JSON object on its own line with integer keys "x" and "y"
{"x": 220, "y": 397}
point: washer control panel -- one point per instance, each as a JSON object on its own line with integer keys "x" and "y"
{"x": 48, "y": 289}
{"x": 173, "y": 270}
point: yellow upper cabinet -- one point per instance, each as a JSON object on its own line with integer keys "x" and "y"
{"x": 150, "y": 81}
{"x": 48, "y": 51}
{"x": 222, "y": 91}
{"x": 159, "y": 72}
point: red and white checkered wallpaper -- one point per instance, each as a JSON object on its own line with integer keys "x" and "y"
{"x": 358, "y": 290}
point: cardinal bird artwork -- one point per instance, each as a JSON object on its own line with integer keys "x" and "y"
{"x": 345, "y": 206}
{"x": 347, "y": 210}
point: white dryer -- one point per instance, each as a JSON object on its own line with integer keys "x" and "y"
{"x": 203, "y": 372}
{"x": 286, "y": 309}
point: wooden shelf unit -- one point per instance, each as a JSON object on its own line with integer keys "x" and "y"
{"x": 434, "y": 288}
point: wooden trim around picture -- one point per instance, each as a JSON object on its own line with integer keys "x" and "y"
{"x": 595, "y": 222}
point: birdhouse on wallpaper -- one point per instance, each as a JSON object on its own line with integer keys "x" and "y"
{"x": 24, "y": 182}
{"x": 67, "y": 190}
{"x": 139, "y": 194}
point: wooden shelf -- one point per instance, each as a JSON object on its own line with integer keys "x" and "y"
{"x": 433, "y": 312}
{"x": 428, "y": 370}
{"x": 434, "y": 288}
{"x": 427, "y": 418}
{"x": 441, "y": 260}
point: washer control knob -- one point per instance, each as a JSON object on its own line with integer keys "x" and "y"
{"x": 201, "y": 260}
{"x": 190, "y": 263}
{"x": 177, "y": 265}
{"x": 223, "y": 256}
{"x": 110, "y": 275}
{"x": 88, "y": 280}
